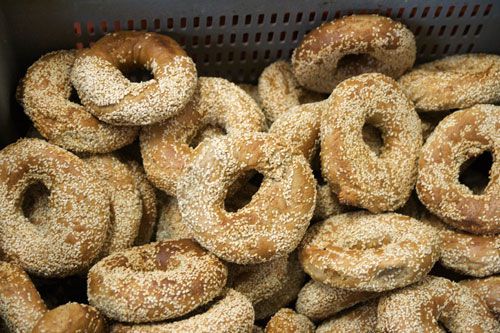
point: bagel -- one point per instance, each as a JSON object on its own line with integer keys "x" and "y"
{"x": 355, "y": 173}
{"x": 292, "y": 284}
{"x": 45, "y": 95}
{"x": 362, "y": 319}
{"x": 351, "y": 46}
{"x": 465, "y": 253}
{"x": 126, "y": 206}
{"x": 454, "y": 82}
{"x": 259, "y": 282}
{"x": 147, "y": 195}
{"x": 279, "y": 91}
{"x": 359, "y": 251}
{"x": 288, "y": 321}
{"x": 170, "y": 224}
{"x": 253, "y": 91}
{"x": 319, "y": 301}
{"x": 111, "y": 97}
{"x": 274, "y": 221}
{"x": 20, "y": 303}
{"x": 460, "y": 136}
{"x": 71, "y": 318}
{"x": 165, "y": 147}
{"x": 439, "y": 301}
{"x": 232, "y": 314}
{"x": 488, "y": 290}
{"x": 154, "y": 282}
{"x": 73, "y": 235}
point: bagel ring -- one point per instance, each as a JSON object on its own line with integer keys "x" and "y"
{"x": 488, "y": 289}
{"x": 165, "y": 147}
{"x": 276, "y": 218}
{"x": 279, "y": 91}
{"x": 45, "y": 95}
{"x": 287, "y": 320}
{"x": 351, "y": 46}
{"x": 362, "y": 319}
{"x": 360, "y": 251}
{"x": 233, "y": 313}
{"x": 457, "y": 138}
{"x": 437, "y": 300}
{"x": 454, "y": 82}
{"x": 355, "y": 172}
{"x": 71, "y": 318}
{"x": 154, "y": 282}
{"x": 73, "y": 236}
{"x": 112, "y": 98}
{"x": 20, "y": 303}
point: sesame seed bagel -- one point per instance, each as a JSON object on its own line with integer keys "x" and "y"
{"x": 154, "y": 282}
{"x": 170, "y": 224}
{"x": 279, "y": 91}
{"x": 457, "y": 138}
{"x": 362, "y": 319}
{"x": 438, "y": 300}
{"x": 253, "y": 91}
{"x": 45, "y": 95}
{"x": 71, "y": 318}
{"x": 110, "y": 96}
{"x": 355, "y": 172}
{"x": 351, "y": 46}
{"x": 488, "y": 290}
{"x": 119, "y": 182}
{"x": 274, "y": 221}
{"x": 20, "y": 303}
{"x": 165, "y": 147}
{"x": 454, "y": 82}
{"x": 73, "y": 235}
{"x": 260, "y": 281}
{"x": 475, "y": 255}
{"x": 319, "y": 301}
{"x": 363, "y": 252}
{"x": 147, "y": 195}
{"x": 288, "y": 321}
{"x": 232, "y": 314}
{"x": 283, "y": 297}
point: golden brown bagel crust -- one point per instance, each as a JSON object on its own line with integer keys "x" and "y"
{"x": 279, "y": 91}
{"x": 319, "y": 301}
{"x": 469, "y": 254}
{"x": 118, "y": 181}
{"x": 362, "y": 319}
{"x": 488, "y": 289}
{"x": 44, "y": 93}
{"x": 232, "y": 314}
{"x": 355, "y": 172}
{"x": 73, "y": 236}
{"x": 375, "y": 43}
{"x": 437, "y": 300}
{"x": 459, "y": 137}
{"x": 20, "y": 303}
{"x": 165, "y": 147}
{"x": 454, "y": 82}
{"x": 112, "y": 98}
{"x": 276, "y": 218}
{"x": 289, "y": 321}
{"x": 157, "y": 281}
{"x": 71, "y": 318}
{"x": 364, "y": 252}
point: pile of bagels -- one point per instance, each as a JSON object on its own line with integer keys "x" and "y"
{"x": 348, "y": 191}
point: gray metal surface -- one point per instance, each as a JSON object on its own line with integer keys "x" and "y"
{"x": 235, "y": 39}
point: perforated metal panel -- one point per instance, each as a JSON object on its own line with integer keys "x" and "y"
{"x": 236, "y": 39}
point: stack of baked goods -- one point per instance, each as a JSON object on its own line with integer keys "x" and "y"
{"x": 344, "y": 193}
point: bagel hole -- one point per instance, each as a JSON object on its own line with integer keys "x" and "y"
{"x": 137, "y": 74}
{"x": 356, "y": 64}
{"x": 372, "y": 136}
{"x": 316, "y": 168}
{"x": 73, "y": 96}
{"x": 244, "y": 194}
{"x": 35, "y": 202}
{"x": 475, "y": 172}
